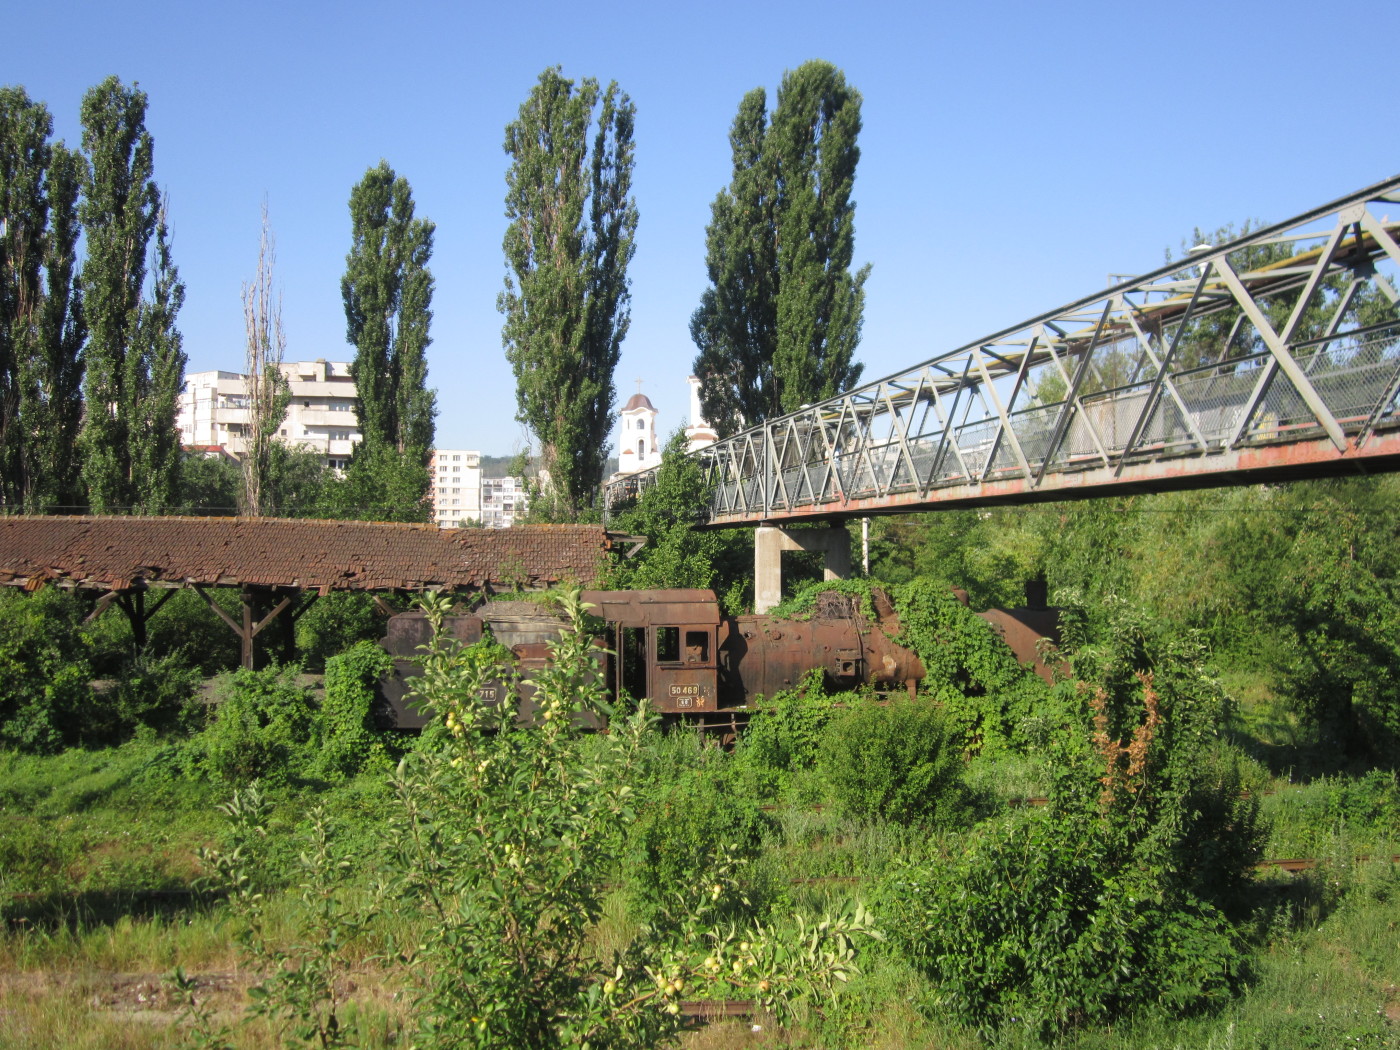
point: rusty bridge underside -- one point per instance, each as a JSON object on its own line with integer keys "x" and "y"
{"x": 1273, "y": 357}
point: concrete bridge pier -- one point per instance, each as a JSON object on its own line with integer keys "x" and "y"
{"x": 770, "y": 541}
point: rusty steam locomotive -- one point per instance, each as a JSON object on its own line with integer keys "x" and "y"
{"x": 674, "y": 648}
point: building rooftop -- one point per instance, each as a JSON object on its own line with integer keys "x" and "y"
{"x": 133, "y": 553}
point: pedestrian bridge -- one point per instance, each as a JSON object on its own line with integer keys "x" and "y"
{"x": 1275, "y": 356}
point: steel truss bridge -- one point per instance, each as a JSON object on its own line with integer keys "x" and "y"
{"x": 1273, "y": 357}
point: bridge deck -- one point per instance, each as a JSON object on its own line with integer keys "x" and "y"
{"x": 1275, "y": 356}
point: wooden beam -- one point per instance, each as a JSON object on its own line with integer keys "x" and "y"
{"x": 101, "y": 606}
{"x": 232, "y": 625}
{"x": 272, "y": 615}
{"x": 169, "y": 593}
{"x": 308, "y": 601}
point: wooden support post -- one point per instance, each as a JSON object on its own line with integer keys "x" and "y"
{"x": 246, "y": 634}
{"x": 251, "y": 625}
{"x": 133, "y": 604}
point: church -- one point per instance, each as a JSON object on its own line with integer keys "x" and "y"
{"x": 639, "y": 448}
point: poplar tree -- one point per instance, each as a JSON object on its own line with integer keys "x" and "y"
{"x": 156, "y": 374}
{"x": 780, "y": 322}
{"x": 388, "y": 293}
{"x": 41, "y": 329}
{"x": 129, "y": 360}
{"x": 268, "y": 391}
{"x": 573, "y": 220}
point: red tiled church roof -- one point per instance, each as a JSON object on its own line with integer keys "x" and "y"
{"x": 118, "y": 553}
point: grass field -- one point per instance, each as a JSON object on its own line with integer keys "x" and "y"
{"x": 104, "y": 898}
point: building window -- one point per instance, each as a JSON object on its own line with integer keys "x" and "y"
{"x": 641, "y": 425}
{"x": 641, "y": 448}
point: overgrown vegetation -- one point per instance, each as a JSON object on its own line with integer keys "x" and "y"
{"x": 390, "y": 891}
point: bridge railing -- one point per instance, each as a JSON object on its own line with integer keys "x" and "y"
{"x": 1287, "y": 333}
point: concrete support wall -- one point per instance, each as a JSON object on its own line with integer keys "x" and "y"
{"x": 768, "y": 545}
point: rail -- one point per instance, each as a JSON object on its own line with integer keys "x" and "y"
{"x": 1275, "y": 355}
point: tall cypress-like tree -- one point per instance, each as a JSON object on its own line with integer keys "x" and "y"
{"x": 780, "y": 322}
{"x": 119, "y": 214}
{"x": 41, "y": 329}
{"x": 388, "y": 293}
{"x": 573, "y": 221}
{"x": 155, "y": 375}
{"x": 268, "y": 391}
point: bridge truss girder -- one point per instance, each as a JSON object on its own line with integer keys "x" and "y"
{"x": 1276, "y": 355}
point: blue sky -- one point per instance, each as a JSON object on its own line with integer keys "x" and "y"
{"x": 1013, "y": 154}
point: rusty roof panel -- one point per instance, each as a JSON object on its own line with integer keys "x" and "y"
{"x": 126, "y": 552}
{"x": 658, "y": 607}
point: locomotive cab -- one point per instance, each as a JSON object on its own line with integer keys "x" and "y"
{"x": 667, "y": 645}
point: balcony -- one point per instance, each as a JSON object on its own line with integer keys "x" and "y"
{"x": 322, "y": 417}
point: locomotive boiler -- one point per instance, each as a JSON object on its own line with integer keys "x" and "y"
{"x": 674, "y": 648}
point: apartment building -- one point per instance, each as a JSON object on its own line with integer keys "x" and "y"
{"x": 502, "y": 501}
{"x": 454, "y": 486}
{"x": 322, "y": 415}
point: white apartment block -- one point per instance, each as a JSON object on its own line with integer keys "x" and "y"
{"x": 321, "y": 416}
{"x": 454, "y": 486}
{"x": 502, "y": 501}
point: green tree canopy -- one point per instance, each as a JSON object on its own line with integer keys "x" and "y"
{"x": 572, "y": 224}
{"x": 41, "y": 325}
{"x": 134, "y": 362}
{"x": 779, "y": 324}
{"x": 676, "y": 553}
{"x": 388, "y": 292}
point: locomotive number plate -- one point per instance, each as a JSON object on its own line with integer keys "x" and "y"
{"x": 687, "y": 696}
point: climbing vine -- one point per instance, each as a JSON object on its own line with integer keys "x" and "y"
{"x": 351, "y": 742}
{"x": 989, "y": 696}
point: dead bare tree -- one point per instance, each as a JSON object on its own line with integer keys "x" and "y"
{"x": 268, "y": 392}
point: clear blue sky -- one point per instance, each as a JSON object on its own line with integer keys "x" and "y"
{"x": 1013, "y": 154}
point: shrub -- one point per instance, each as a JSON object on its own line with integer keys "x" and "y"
{"x": 687, "y": 828}
{"x": 784, "y": 736}
{"x": 1120, "y": 893}
{"x": 502, "y": 840}
{"x": 264, "y": 726}
{"x": 150, "y": 692}
{"x": 44, "y": 673}
{"x": 335, "y": 623}
{"x": 898, "y": 762}
{"x": 1043, "y": 922}
{"x": 350, "y": 741}
{"x": 989, "y": 697}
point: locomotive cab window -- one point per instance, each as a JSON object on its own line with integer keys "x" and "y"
{"x": 697, "y": 647}
{"x": 668, "y": 644}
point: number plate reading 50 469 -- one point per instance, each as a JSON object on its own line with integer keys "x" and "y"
{"x": 688, "y": 695}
